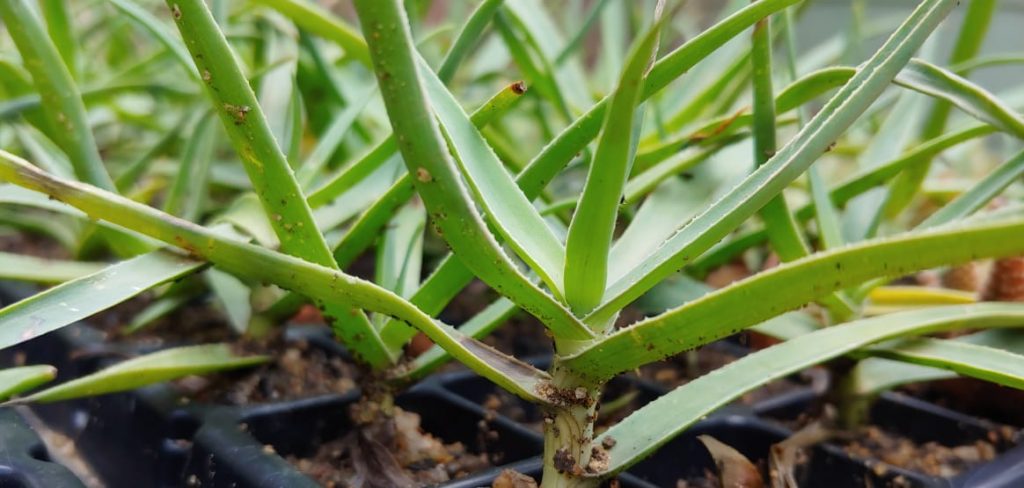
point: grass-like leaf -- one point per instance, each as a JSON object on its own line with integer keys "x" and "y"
{"x": 150, "y": 23}
{"x": 77, "y": 299}
{"x": 969, "y": 41}
{"x": 651, "y": 426}
{"x": 30, "y": 268}
{"x": 575, "y": 138}
{"x": 540, "y": 33}
{"x": 145, "y": 370}
{"x": 506, "y": 208}
{"x": 267, "y": 166}
{"x": 791, "y": 161}
{"x": 61, "y": 99}
{"x": 468, "y": 36}
{"x": 496, "y": 106}
{"x": 316, "y": 20}
{"x": 980, "y": 194}
{"x": 261, "y": 265}
{"x": 400, "y": 252}
{"x": 736, "y": 307}
{"x": 188, "y": 192}
{"x": 590, "y": 233}
{"x": 23, "y": 378}
{"x": 435, "y": 174}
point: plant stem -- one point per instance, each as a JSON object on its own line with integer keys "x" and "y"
{"x": 568, "y": 432}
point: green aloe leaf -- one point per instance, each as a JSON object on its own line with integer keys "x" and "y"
{"x": 249, "y": 131}
{"x": 979, "y": 103}
{"x": 436, "y": 176}
{"x": 61, "y": 98}
{"x": 316, "y": 20}
{"x": 450, "y": 276}
{"x": 977, "y": 361}
{"x": 468, "y": 36}
{"x": 790, "y": 162}
{"x": 145, "y": 370}
{"x": 923, "y": 77}
{"x": 978, "y": 62}
{"x": 845, "y": 191}
{"x": 77, "y": 299}
{"x": 876, "y": 374}
{"x": 657, "y": 422}
{"x": 736, "y": 307}
{"x": 157, "y": 310}
{"x": 400, "y": 252}
{"x": 973, "y": 31}
{"x": 152, "y": 25}
{"x": 233, "y": 296}
{"x": 980, "y": 194}
{"x": 23, "y": 378}
{"x": 675, "y": 164}
{"x": 505, "y": 206}
{"x": 482, "y": 324}
{"x": 590, "y": 233}
{"x": 259, "y": 264}
{"x": 58, "y": 24}
{"x": 668, "y": 207}
{"x": 267, "y": 167}
{"x": 575, "y": 138}
{"x": 40, "y": 270}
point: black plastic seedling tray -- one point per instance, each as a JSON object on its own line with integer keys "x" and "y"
{"x": 148, "y": 437}
{"x": 751, "y": 429}
{"x": 923, "y": 422}
{"x": 24, "y": 461}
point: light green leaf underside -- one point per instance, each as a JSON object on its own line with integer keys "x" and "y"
{"x": 145, "y": 370}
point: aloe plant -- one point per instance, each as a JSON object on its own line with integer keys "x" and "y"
{"x": 552, "y": 253}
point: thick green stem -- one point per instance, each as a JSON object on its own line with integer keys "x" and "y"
{"x": 569, "y": 432}
{"x": 854, "y": 408}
